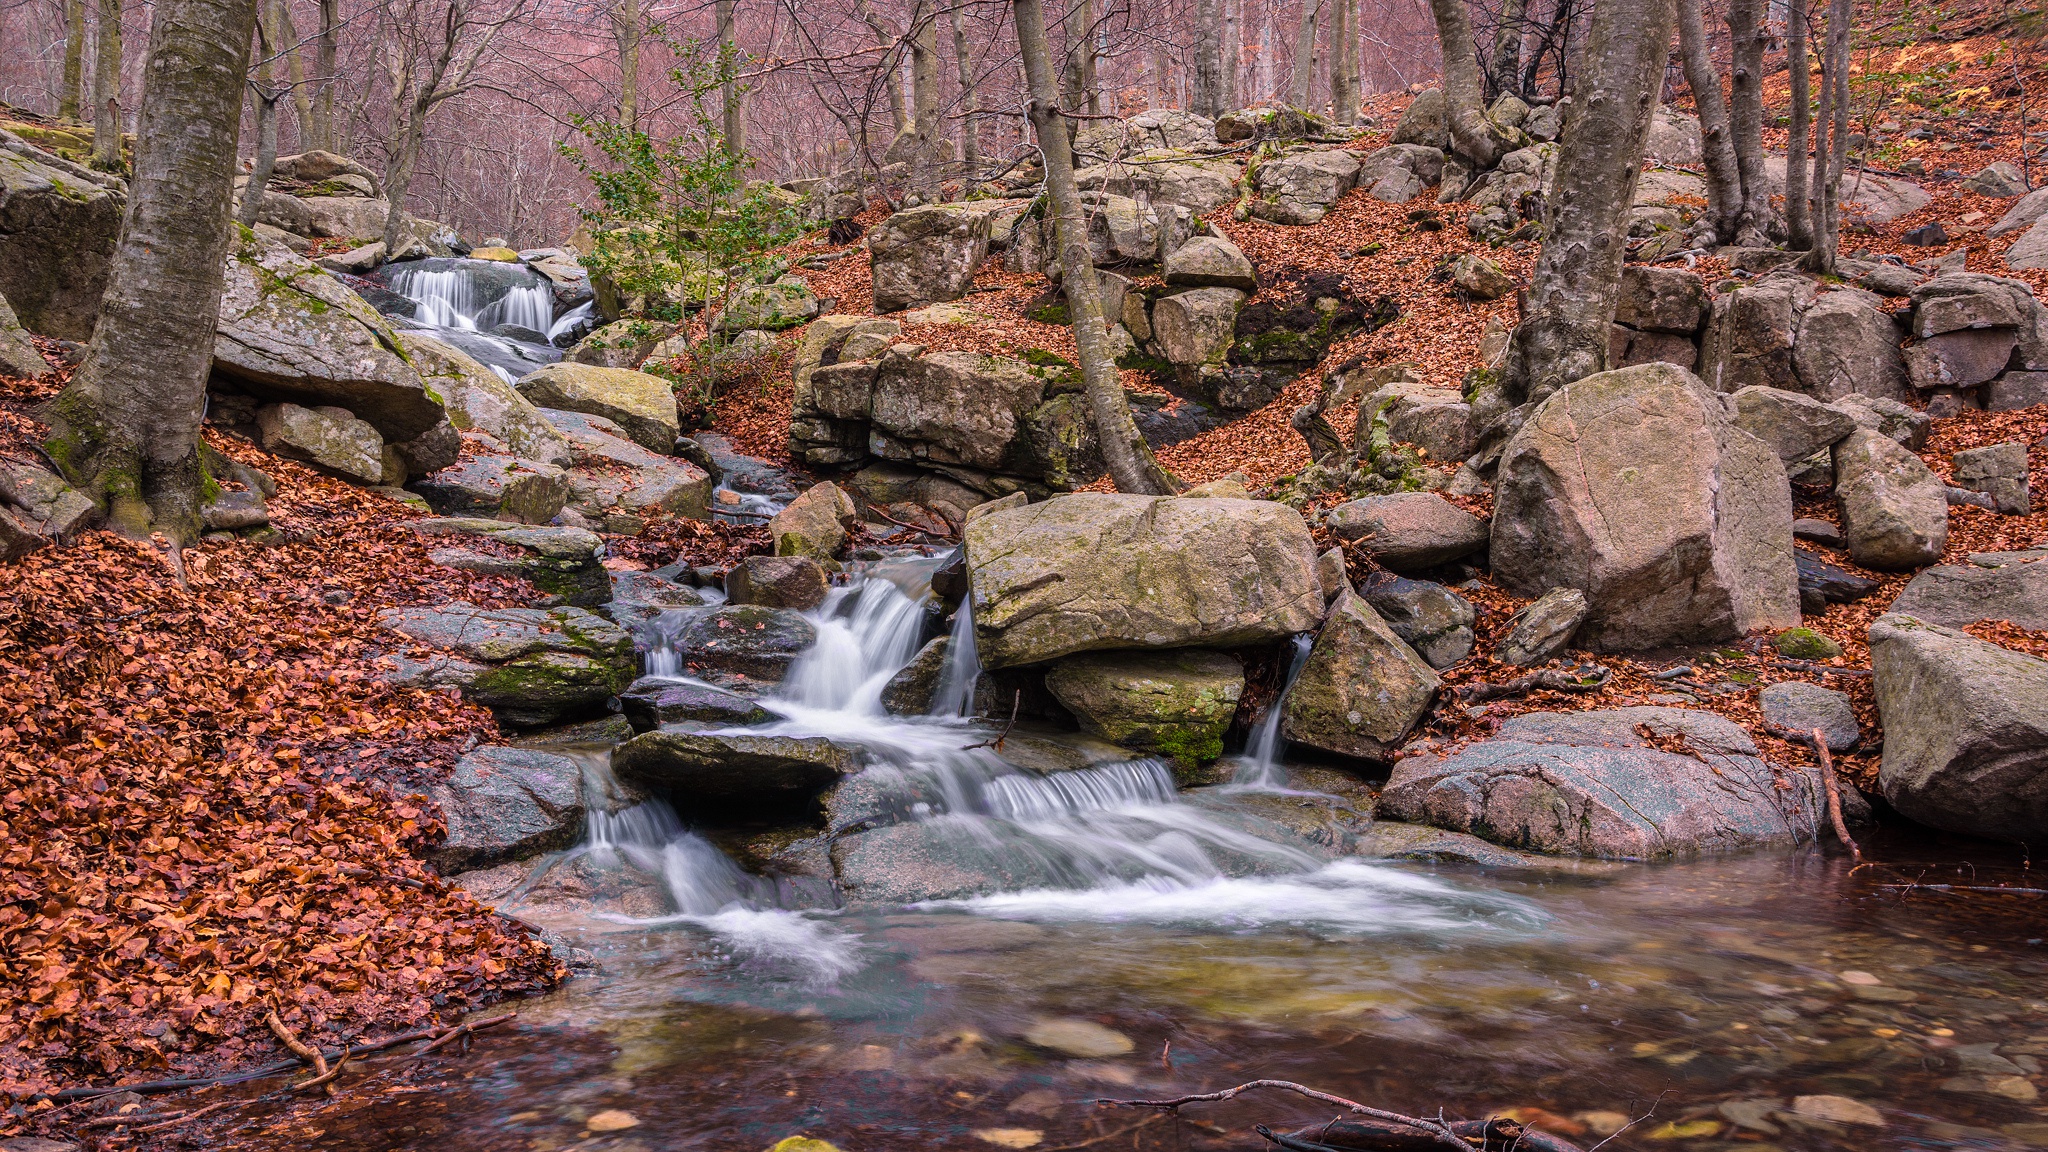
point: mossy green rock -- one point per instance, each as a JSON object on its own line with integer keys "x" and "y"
{"x": 57, "y": 236}
{"x": 478, "y": 399}
{"x": 531, "y": 666}
{"x": 643, "y": 405}
{"x": 564, "y": 562}
{"x": 1174, "y": 703}
{"x": 1806, "y": 644}
{"x": 1362, "y": 690}
{"x": 769, "y": 307}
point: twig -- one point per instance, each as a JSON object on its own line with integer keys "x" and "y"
{"x": 306, "y": 1052}
{"x": 1125, "y": 1131}
{"x": 1016, "y": 702}
{"x": 1550, "y": 678}
{"x": 1441, "y": 1131}
{"x": 1968, "y": 888}
{"x": 325, "y": 1079}
{"x": 876, "y": 509}
{"x": 195, "y": 1114}
{"x": 1827, "y": 775}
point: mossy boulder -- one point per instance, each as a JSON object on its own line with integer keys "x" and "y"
{"x": 641, "y": 404}
{"x": 1176, "y": 703}
{"x": 479, "y": 400}
{"x": 1806, "y": 644}
{"x": 564, "y": 562}
{"x": 531, "y": 666}
{"x": 1363, "y": 688}
{"x": 57, "y": 236}
{"x": 769, "y": 307}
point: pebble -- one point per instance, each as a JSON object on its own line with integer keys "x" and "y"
{"x": 802, "y": 1144}
{"x": 1751, "y": 1114}
{"x": 1082, "y": 1038}
{"x": 1602, "y": 1123}
{"x": 1010, "y": 1137}
{"x": 612, "y": 1120}
{"x": 1837, "y": 1110}
{"x": 1863, "y": 979}
{"x": 1037, "y": 1102}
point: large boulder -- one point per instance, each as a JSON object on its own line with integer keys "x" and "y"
{"x": 701, "y": 769}
{"x": 1175, "y": 703}
{"x": 1200, "y": 186}
{"x": 1407, "y": 531}
{"x": 288, "y": 331}
{"x": 641, "y": 404}
{"x": 923, "y": 255}
{"x": 1210, "y": 262}
{"x": 1302, "y": 187}
{"x": 742, "y": 647}
{"x": 834, "y": 375}
{"x": 1793, "y": 424}
{"x": 2010, "y": 586}
{"x": 1194, "y": 329}
{"x": 814, "y": 524}
{"x": 1425, "y": 121}
{"x": 479, "y": 400}
{"x": 531, "y": 666}
{"x": 1435, "y": 621}
{"x": 18, "y": 355}
{"x": 616, "y": 485}
{"x": 502, "y": 804}
{"x": 959, "y": 408}
{"x": 564, "y": 562}
{"x": 329, "y": 439}
{"x": 1096, "y": 571}
{"x": 493, "y": 486}
{"x": 1362, "y": 690}
{"x": 1965, "y": 730}
{"x": 655, "y": 701}
{"x": 1611, "y": 784}
{"x": 774, "y": 307}
{"x": 1894, "y": 508}
{"x": 57, "y": 237}
{"x": 1958, "y": 302}
{"x": 1635, "y": 487}
{"x": 1848, "y": 345}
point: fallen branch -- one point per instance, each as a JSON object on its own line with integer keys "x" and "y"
{"x": 1549, "y": 678}
{"x": 876, "y": 509}
{"x": 195, "y": 1114}
{"x": 1439, "y": 1131}
{"x": 323, "y": 1080}
{"x": 1817, "y": 740}
{"x": 1495, "y": 1134}
{"x": 306, "y": 1052}
{"x": 1016, "y": 702}
{"x": 1969, "y": 888}
{"x": 1094, "y": 1140}
{"x": 1810, "y": 666}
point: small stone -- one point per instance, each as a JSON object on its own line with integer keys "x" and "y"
{"x": 1037, "y": 1102}
{"x": 1837, "y": 1110}
{"x": 1804, "y": 707}
{"x": 1805, "y": 644}
{"x": 1817, "y": 531}
{"x": 1859, "y": 979}
{"x": 802, "y": 1144}
{"x": 1545, "y": 627}
{"x": 1010, "y": 1137}
{"x": 1601, "y": 1122}
{"x": 1926, "y": 236}
{"x": 612, "y": 1120}
{"x": 1751, "y": 1114}
{"x": 1083, "y": 1038}
{"x": 1882, "y": 995}
{"x": 1684, "y": 1130}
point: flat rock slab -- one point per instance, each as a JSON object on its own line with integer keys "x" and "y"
{"x": 722, "y": 769}
{"x": 653, "y": 702}
{"x": 1992, "y": 586}
{"x": 532, "y": 666}
{"x": 1595, "y": 784}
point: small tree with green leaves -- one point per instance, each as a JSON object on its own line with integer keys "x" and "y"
{"x": 677, "y": 226}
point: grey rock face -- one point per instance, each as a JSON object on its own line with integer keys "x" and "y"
{"x": 1194, "y": 329}
{"x": 1208, "y": 262}
{"x": 1634, "y": 486}
{"x": 1965, "y": 730}
{"x": 531, "y": 666}
{"x": 651, "y": 702}
{"x": 1545, "y": 627}
{"x": 1848, "y": 345}
{"x": 496, "y": 487}
{"x": 1657, "y": 299}
{"x": 57, "y": 238}
{"x": 18, "y": 356}
{"x": 815, "y": 523}
{"x": 1962, "y": 359}
{"x": 1992, "y": 586}
{"x": 777, "y": 582}
{"x": 1098, "y": 571}
{"x": 957, "y": 408}
{"x": 1425, "y": 122}
{"x": 1907, "y": 427}
{"x": 1435, "y": 621}
{"x": 1408, "y": 531}
{"x": 477, "y": 399}
{"x": 1804, "y": 707}
{"x": 1302, "y": 187}
{"x": 504, "y": 804}
{"x": 616, "y": 484}
{"x": 1591, "y": 784}
{"x": 2000, "y": 472}
{"x": 699, "y": 768}
{"x": 741, "y": 647}
{"x": 1894, "y": 509}
{"x": 924, "y": 255}
{"x": 1794, "y": 425}
{"x": 1362, "y": 690}
{"x": 564, "y": 562}
{"x": 330, "y": 439}
{"x": 1175, "y": 703}
{"x": 2011, "y": 391}
{"x": 641, "y": 404}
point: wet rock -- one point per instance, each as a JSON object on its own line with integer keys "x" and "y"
{"x": 531, "y": 666}
{"x": 1965, "y": 730}
{"x": 643, "y": 406}
{"x": 814, "y": 524}
{"x": 1408, "y": 531}
{"x": 1362, "y": 690}
{"x": 1094, "y": 571}
{"x": 504, "y": 804}
{"x": 733, "y": 770}
{"x": 290, "y": 332}
{"x": 1822, "y": 583}
{"x": 1175, "y": 703}
{"x": 57, "y": 237}
{"x": 1837, "y": 1110}
{"x": 1545, "y": 627}
{"x": 616, "y": 485}
{"x": 1804, "y": 707}
{"x": 564, "y": 562}
{"x": 1390, "y": 840}
{"x": 491, "y": 486}
{"x": 2000, "y": 472}
{"x": 1435, "y": 621}
{"x": 733, "y": 646}
{"x": 1894, "y": 508}
{"x": 479, "y": 400}
{"x": 1084, "y": 1039}
{"x": 1634, "y": 486}
{"x": 652, "y": 702}
{"x": 924, "y": 255}
{"x": 1210, "y": 262}
{"x": 911, "y": 690}
{"x": 2010, "y": 586}
{"x": 1794, "y": 425}
{"x": 642, "y": 596}
{"x": 1592, "y": 784}
{"x": 777, "y": 582}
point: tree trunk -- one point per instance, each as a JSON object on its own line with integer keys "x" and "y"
{"x": 1828, "y": 210}
{"x": 1473, "y": 135}
{"x": 1506, "y": 72}
{"x": 1798, "y": 218}
{"x": 1208, "y": 63}
{"x": 1568, "y": 311}
{"x": 970, "y": 104}
{"x": 295, "y": 61}
{"x": 899, "y": 113}
{"x": 924, "y": 92}
{"x": 1304, "y": 79}
{"x": 325, "y": 49}
{"x": 73, "y": 93}
{"x": 731, "y": 101}
{"x": 1079, "y": 91}
{"x": 1723, "y": 175}
{"x": 106, "y": 89}
{"x": 125, "y": 430}
{"x": 1231, "y": 56}
{"x": 627, "y": 30}
{"x": 263, "y": 97}
{"x": 1131, "y": 464}
{"x": 1344, "y": 62}
{"x": 1747, "y": 32}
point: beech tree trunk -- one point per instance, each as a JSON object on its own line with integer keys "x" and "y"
{"x": 1304, "y": 79}
{"x": 106, "y": 88}
{"x": 1131, "y": 464}
{"x": 1506, "y": 71}
{"x": 924, "y": 92}
{"x": 263, "y": 98}
{"x": 899, "y": 112}
{"x": 1798, "y": 219}
{"x": 1717, "y": 145}
{"x": 1568, "y": 311}
{"x": 73, "y": 92}
{"x": 325, "y": 49}
{"x": 1079, "y": 90}
{"x": 1827, "y": 210}
{"x": 1344, "y": 61}
{"x": 970, "y": 103}
{"x": 1748, "y": 33}
{"x": 626, "y": 33}
{"x": 1232, "y": 54}
{"x": 1473, "y": 135}
{"x": 295, "y": 61}
{"x": 1208, "y": 63}
{"x": 732, "y": 102}
{"x": 125, "y": 430}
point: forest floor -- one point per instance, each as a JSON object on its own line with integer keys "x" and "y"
{"x": 237, "y": 689}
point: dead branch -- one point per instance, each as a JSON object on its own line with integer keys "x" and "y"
{"x": 195, "y": 1114}
{"x": 1440, "y": 1131}
{"x": 324, "y": 1080}
{"x": 1016, "y": 702}
{"x": 1968, "y": 888}
{"x": 1817, "y": 741}
{"x": 1106, "y": 1136}
{"x": 1549, "y": 678}
{"x": 1809, "y": 666}
{"x": 290, "y": 1039}
{"x": 877, "y": 510}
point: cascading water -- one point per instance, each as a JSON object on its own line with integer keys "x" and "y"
{"x": 1260, "y": 765}
{"x": 502, "y": 314}
{"x": 955, "y": 694}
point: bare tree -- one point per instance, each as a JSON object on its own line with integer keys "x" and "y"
{"x": 970, "y": 105}
{"x": 629, "y": 26}
{"x": 1303, "y": 83}
{"x": 1798, "y": 218}
{"x": 1831, "y": 154}
{"x": 1078, "y": 87}
{"x": 1344, "y": 61}
{"x": 1568, "y": 312}
{"x": 1207, "y": 97}
{"x": 1717, "y": 146}
{"x": 125, "y": 430}
{"x": 326, "y": 49}
{"x": 106, "y": 88}
{"x": 430, "y": 57}
{"x": 1748, "y": 34}
{"x": 1504, "y": 75}
{"x": 1474, "y": 135}
{"x": 1131, "y": 464}
{"x": 1231, "y": 56}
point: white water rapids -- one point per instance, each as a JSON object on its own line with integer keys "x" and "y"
{"x": 1118, "y": 837}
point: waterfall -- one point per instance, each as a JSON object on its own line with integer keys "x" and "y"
{"x": 1261, "y": 762}
{"x": 867, "y": 631}
{"x": 451, "y": 297}
{"x": 570, "y": 319}
{"x": 955, "y": 694}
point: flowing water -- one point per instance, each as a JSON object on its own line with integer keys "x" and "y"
{"x": 500, "y": 313}
{"x": 1188, "y": 953}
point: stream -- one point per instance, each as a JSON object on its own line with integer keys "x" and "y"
{"x": 1162, "y": 948}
